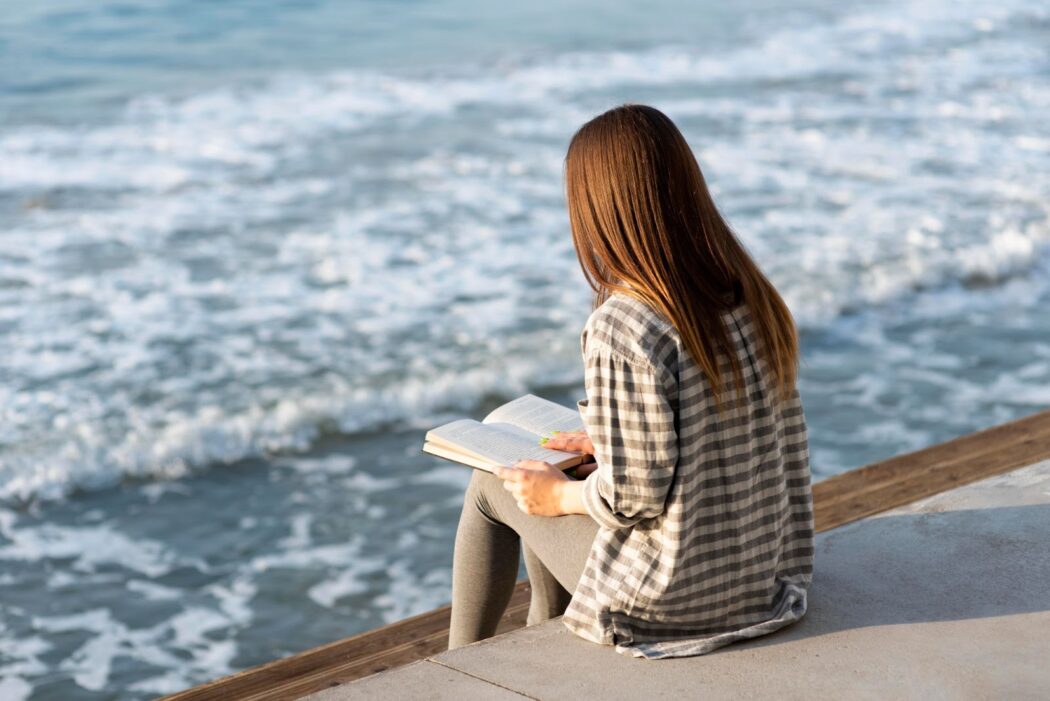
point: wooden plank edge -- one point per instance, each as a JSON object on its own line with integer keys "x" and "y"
{"x": 884, "y": 485}
{"x": 369, "y": 652}
{"x": 838, "y": 500}
{"x": 320, "y": 679}
{"x": 910, "y": 488}
{"x": 850, "y": 484}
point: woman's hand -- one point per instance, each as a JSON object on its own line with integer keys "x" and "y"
{"x": 537, "y": 486}
{"x": 570, "y": 441}
{"x": 574, "y": 442}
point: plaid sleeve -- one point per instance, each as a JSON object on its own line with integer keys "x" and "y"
{"x": 632, "y": 426}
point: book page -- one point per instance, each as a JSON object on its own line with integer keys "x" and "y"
{"x": 503, "y": 444}
{"x": 537, "y": 415}
{"x": 456, "y": 456}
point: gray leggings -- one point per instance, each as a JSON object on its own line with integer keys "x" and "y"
{"x": 485, "y": 562}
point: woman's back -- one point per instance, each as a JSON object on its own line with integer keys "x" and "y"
{"x": 701, "y": 524}
{"x": 707, "y": 530}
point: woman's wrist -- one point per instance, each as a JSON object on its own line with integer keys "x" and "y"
{"x": 570, "y": 497}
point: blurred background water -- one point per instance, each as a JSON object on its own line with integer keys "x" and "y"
{"x": 250, "y": 251}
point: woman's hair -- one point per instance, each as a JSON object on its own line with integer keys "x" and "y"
{"x": 644, "y": 224}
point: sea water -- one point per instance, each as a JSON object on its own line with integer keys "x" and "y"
{"x": 250, "y": 251}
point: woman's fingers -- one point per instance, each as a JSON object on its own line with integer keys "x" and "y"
{"x": 580, "y": 445}
{"x": 516, "y": 493}
{"x": 521, "y": 471}
{"x": 532, "y": 465}
{"x": 530, "y": 483}
{"x": 507, "y": 474}
{"x": 559, "y": 439}
{"x": 514, "y": 488}
{"x": 571, "y": 441}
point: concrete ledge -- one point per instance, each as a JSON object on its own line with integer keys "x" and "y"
{"x": 947, "y": 597}
{"x": 423, "y": 680}
{"x": 837, "y": 501}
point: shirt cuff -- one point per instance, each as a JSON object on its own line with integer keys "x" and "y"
{"x": 597, "y": 507}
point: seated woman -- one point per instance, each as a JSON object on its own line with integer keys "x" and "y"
{"x": 694, "y": 526}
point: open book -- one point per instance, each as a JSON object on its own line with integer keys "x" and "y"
{"x": 509, "y": 433}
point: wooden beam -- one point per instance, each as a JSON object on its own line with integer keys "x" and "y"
{"x": 351, "y": 658}
{"x": 837, "y": 500}
{"x": 906, "y": 478}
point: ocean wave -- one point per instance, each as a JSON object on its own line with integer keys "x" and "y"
{"x": 235, "y": 273}
{"x": 84, "y": 459}
{"x": 166, "y": 143}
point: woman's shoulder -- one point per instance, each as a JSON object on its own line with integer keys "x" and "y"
{"x": 633, "y": 329}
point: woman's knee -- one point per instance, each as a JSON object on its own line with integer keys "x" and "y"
{"x": 482, "y": 490}
{"x": 482, "y": 482}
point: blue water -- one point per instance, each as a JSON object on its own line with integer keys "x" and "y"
{"x": 250, "y": 251}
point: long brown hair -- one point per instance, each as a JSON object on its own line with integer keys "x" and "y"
{"x": 644, "y": 224}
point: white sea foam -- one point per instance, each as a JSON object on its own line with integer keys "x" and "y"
{"x": 187, "y": 634}
{"x": 330, "y": 591}
{"x": 87, "y": 546}
{"x": 409, "y": 591}
{"x": 14, "y": 688}
{"x": 19, "y": 660}
{"x": 328, "y": 464}
{"x": 237, "y": 272}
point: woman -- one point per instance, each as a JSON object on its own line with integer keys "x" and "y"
{"x": 694, "y": 527}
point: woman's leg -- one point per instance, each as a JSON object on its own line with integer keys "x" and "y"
{"x": 548, "y": 598}
{"x": 484, "y": 568}
{"x": 485, "y": 562}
